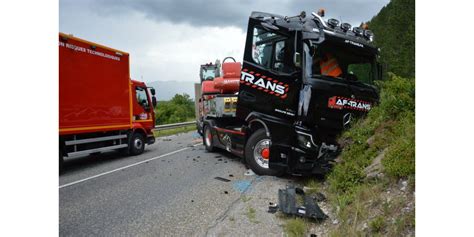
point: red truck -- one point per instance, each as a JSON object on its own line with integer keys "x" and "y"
{"x": 100, "y": 107}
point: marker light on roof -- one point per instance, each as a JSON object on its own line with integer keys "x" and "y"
{"x": 321, "y": 12}
{"x": 346, "y": 26}
{"x": 333, "y": 22}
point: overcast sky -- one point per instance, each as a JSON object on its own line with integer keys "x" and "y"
{"x": 169, "y": 39}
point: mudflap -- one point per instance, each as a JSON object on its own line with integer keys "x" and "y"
{"x": 150, "y": 139}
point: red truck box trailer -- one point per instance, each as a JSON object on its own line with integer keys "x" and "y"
{"x": 100, "y": 107}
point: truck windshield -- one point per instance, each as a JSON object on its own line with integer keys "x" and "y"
{"x": 208, "y": 73}
{"x": 331, "y": 61}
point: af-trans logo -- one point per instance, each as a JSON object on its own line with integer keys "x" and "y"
{"x": 338, "y": 102}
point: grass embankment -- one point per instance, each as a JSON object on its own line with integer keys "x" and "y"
{"x": 173, "y": 131}
{"x": 376, "y": 200}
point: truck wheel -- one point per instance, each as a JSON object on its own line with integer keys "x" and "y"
{"x": 61, "y": 161}
{"x": 257, "y": 154}
{"x": 207, "y": 138}
{"x": 137, "y": 144}
{"x": 199, "y": 128}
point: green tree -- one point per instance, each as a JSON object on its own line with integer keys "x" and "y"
{"x": 179, "y": 109}
{"x": 394, "y": 29}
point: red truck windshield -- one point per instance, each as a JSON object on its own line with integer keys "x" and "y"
{"x": 208, "y": 72}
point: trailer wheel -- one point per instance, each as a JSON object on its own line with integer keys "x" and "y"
{"x": 137, "y": 144}
{"x": 207, "y": 138}
{"x": 257, "y": 154}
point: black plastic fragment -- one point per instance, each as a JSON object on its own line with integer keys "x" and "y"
{"x": 272, "y": 207}
{"x": 222, "y": 179}
{"x": 287, "y": 204}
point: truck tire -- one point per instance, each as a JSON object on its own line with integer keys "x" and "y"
{"x": 137, "y": 144}
{"x": 199, "y": 128}
{"x": 257, "y": 154}
{"x": 207, "y": 138}
{"x": 61, "y": 161}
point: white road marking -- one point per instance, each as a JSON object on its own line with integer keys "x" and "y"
{"x": 125, "y": 167}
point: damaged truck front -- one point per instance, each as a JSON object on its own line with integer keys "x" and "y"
{"x": 303, "y": 80}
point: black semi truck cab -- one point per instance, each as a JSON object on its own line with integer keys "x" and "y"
{"x": 303, "y": 80}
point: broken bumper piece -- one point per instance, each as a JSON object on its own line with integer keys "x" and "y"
{"x": 288, "y": 205}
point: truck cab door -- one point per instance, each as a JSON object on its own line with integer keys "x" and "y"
{"x": 268, "y": 78}
{"x": 142, "y": 106}
{"x": 315, "y": 105}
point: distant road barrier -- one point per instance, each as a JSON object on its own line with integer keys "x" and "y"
{"x": 173, "y": 125}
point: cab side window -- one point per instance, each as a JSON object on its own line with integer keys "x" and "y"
{"x": 142, "y": 98}
{"x": 271, "y": 51}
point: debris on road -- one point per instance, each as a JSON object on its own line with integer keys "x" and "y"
{"x": 272, "y": 207}
{"x": 242, "y": 185}
{"x": 222, "y": 179}
{"x": 249, "y": 172}
{"x": 288, "y": 204}
{"x": 225, "y": 192}
{"x": 231, "y": 175}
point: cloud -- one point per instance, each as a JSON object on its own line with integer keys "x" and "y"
{"x": 168, "y": 40}
{"x": 235, "y": 13}
{"x": 158, "y": 50}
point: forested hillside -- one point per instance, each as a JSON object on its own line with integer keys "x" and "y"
{"x": 394, "y": 29}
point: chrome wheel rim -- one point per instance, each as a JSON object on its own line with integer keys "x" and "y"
{"x": 208, "y": 137}
{"x": 138, "y": 143}
{"x": 258, "y": 150}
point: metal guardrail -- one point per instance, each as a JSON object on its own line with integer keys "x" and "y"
{"x": 173, "y": 125}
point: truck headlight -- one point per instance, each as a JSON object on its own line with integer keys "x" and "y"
{"x": 304, "y": 140}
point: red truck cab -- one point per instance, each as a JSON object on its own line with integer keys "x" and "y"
{"x": 143, "y": 101}
{"x": 100, "y": 107}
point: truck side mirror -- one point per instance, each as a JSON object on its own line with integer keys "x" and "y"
{"x": 153, "y": 101}
{"x": 152, "y": 91}
{"x": 297, "y": 60}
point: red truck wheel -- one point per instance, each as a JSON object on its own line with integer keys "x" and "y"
{"x": 137, "y": 144}
{"x": 207, "y": 138}
{"x": 257, "y": 154}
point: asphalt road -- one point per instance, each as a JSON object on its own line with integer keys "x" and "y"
{"x": 171, "y": 194}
